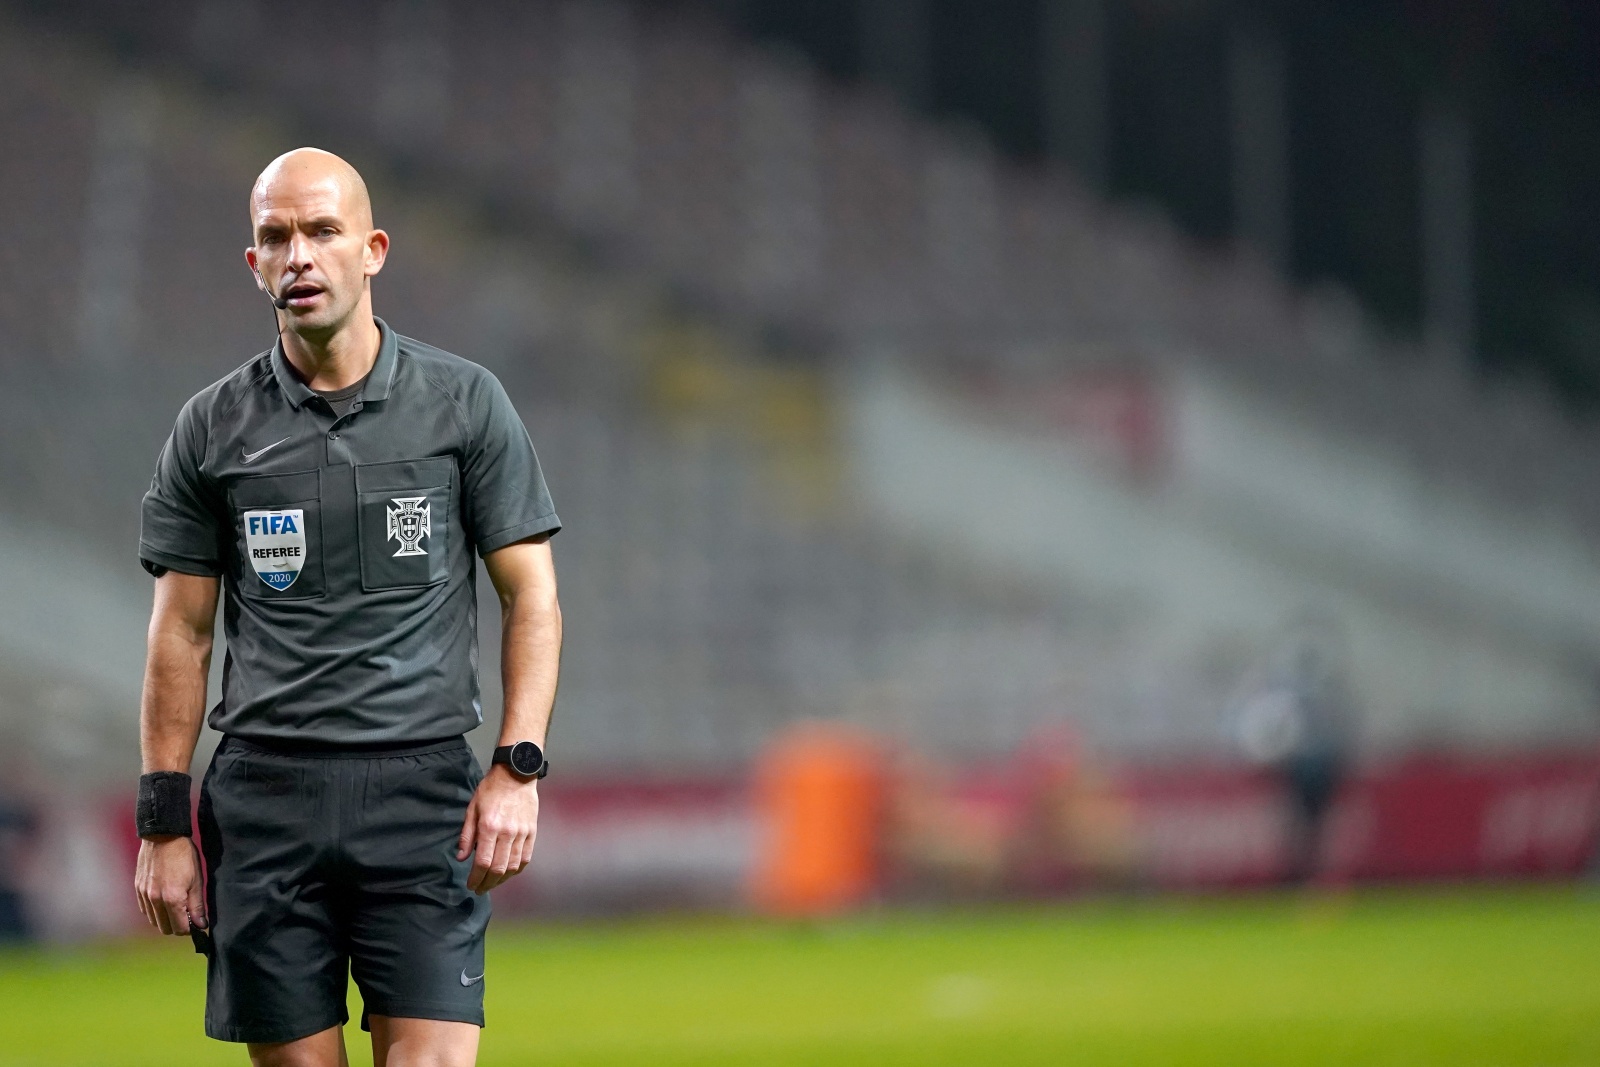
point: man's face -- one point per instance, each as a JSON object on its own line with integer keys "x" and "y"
{"x": 315, "y": 247}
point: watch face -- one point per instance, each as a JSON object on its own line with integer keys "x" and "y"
{"x": 526, "y": 759}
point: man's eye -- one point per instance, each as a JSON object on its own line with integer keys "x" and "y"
{"x": 326, "y": 231}
{"x": 271, "y": 239}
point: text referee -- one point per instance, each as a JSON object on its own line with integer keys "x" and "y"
{"x": 336, "y": 488}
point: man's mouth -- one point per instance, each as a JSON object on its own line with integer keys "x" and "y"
{"x": 302, "y": 294}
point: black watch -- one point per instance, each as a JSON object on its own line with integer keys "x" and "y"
{"x": 525, "y": 759}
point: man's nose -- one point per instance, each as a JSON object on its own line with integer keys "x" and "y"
{"x": 299, "y": 260}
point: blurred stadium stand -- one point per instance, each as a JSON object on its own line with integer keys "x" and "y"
{"x": 719, "y": 586}
{"x": 847, "y": 416}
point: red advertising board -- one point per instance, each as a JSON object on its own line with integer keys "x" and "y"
{"x": 1437, "y": 816}
{"x": 1425, "y": 816}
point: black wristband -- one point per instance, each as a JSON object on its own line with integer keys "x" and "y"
{"x": 163, "y": 807}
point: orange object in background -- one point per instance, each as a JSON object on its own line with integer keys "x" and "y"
{"x": 819, "y": 799}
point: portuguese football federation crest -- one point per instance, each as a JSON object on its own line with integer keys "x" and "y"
{"x": 276, "y": 541}
{"x": 409, "y": 522}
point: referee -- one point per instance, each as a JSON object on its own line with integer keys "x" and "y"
{"x": 336, "y": 487}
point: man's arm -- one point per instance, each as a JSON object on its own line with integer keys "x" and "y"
{"x": 178, "y": 661}
{"x": 503, "y": 817}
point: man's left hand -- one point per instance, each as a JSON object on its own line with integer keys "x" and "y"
{"x": 501, "y": 823}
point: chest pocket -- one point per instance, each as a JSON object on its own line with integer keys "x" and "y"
{"x": 404, "y": 515}
{"x": 278, "y": 536}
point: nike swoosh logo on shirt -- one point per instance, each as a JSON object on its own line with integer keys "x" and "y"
{"x": 251, "y": 457}
{"x": 469, "y": 981}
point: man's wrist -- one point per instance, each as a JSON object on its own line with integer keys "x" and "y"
{"x": 162, "y": 808}
{"x": 500, "y": 770}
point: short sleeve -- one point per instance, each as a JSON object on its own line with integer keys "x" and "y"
{"x": 179, "y": 527}
{"x": 505, "y": 495}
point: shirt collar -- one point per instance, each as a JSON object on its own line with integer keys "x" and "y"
{"x": 379, "y": 381}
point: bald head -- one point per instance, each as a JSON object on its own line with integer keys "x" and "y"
{"x": 315, "y": 249}
{"x": 304, "y": 169}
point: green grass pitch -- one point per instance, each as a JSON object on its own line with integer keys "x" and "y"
{"x": 1458, "y": 977}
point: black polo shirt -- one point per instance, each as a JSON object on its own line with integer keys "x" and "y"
{"x": 345, "y": 543}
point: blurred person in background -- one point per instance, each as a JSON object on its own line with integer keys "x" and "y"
{"x": 1077, "y": 831}
{"x": 942, "y": 835}
{"x": 335, "y": 487}
{"x": 17, "y": 830}
{"x": 1300, "y": 724}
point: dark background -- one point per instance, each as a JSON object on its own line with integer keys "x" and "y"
{"x": 1524, "y": 72}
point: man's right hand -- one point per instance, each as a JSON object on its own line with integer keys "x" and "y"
{"x": 167, "y": 881}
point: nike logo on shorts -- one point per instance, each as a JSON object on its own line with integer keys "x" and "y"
{"x": 469, "y": 981}
{"x": 251, "y": 457}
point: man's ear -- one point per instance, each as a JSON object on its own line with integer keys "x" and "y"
{"x": 250, "y": 259}
{"x": 377, "y": 252}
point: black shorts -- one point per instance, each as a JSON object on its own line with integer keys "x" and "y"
{"x": 325, "y": 864}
